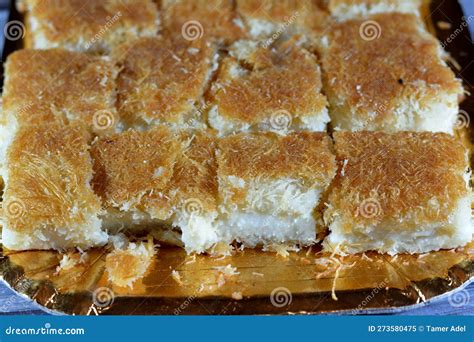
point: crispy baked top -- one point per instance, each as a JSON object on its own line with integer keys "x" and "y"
{"x": 49, "y": 169}
{"x": 415, "y": 177}
{"x": 202, "y": 19}
{"x": 60, "y": 86}
{"x": 130, "y": 165}
{"x": 156, "y": 170}
{"x": 285, "y": 79}
{"x": 161, "y": 78}
{"x": 374, "y": 65}
{"x": 303, "y": 155}
{"x": 195, "y": 172}
{"x": 74, "y": 21}
{"x": 272, "y": 10}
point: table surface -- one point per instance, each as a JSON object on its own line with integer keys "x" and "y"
{"x": 10, "y": 303}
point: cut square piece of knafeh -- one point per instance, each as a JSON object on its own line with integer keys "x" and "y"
{"x": 48, "y": 201}
{"x": 59, "y": 86}
{"x": 271, "y": 185}
{"x": 159, "y": 181}
{"x": 399, "y": 193}
{"x": 268, "y": 89}
{"x": 387, "y": 73}
{"x": 162, "y": 81}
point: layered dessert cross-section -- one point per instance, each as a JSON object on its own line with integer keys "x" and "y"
{"x": 48, "y": 201}
{"x": 399, "y": 193}
{"x": 270, "y": 187}
{"x": 159, "y": 181}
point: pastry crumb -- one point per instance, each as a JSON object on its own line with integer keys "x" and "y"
{"x": 225, "y": 273}
{"x": 443, "y": 25}
{"x": 237, "y": 295}
{"x": 281, "y": 249}
{"x": 128, "y": 265}
{"x": 176, "y": 277}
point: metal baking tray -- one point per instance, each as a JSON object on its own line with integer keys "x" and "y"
{"x": 306, "y": 282}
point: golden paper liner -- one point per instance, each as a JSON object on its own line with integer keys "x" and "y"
{"x": 304, "y": 282}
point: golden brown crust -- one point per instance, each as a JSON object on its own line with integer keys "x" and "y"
{"x": 195, "y": 172}
{"x": 304, "y": 155}
{"x": 202, "y": 19}
{"x": 156, "y": 170}
{"x": 161, "y": 79}
{"x": 270, "y": 9}
{"x": 132, "y": 165}
{"x": 415, "y": 177}
{"x": 370, "y": 67}
{"x": 81, "y": 25}
{"x": 49, "y": 169}
{"x": 60, "y": 86}
{"x": 285, "y": 79}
